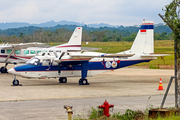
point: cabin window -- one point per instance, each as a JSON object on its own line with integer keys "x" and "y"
{"x": 9, "y": 51}
{"x": 46, "y": 62}
{"x": 2, "y": 51}
{"x": 44, "y": 51}
{"x": 17, "y": 51}
{"x": 26, "y": 51}
{"x": 58, "y": 51}
{"x": 50, "y": 50}
{"x": 32, "y": 52}
{"x": 38, "y": 51}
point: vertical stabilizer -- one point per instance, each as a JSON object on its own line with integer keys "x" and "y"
{"x": 74, "y": 42}
{"x": 144, "y": 41}
{"x": 76, "y": 37}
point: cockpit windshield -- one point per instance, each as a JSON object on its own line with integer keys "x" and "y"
{"x": 33, "y": 61}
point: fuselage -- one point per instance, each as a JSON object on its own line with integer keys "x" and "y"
{"x": 47, "y": 68}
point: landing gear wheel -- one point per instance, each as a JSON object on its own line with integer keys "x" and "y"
{"x": 15, "y": 82}
{"x": 83, "y": 82}
{"x": 62, "y": 80}
{"x": 3, "y": 70}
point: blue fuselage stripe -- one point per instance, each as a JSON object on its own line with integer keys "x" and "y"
{"x": 91, "y": 66}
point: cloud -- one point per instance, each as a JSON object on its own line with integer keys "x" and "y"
{"x": 117, "y": 12}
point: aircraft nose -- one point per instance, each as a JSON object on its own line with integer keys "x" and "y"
{"x": 12, "y": 71}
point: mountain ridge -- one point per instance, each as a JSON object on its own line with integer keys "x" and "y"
{"x": 51, "y": 23}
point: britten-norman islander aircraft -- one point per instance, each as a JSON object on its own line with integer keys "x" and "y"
{"x": 21, "y": 53}
{"x": 83, "y": 64}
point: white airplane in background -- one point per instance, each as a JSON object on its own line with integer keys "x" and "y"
{"x": 83, "y": 64}
{"x": 21, "y": 53}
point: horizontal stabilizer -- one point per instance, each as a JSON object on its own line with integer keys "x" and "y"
{"x": 154, "y": 55}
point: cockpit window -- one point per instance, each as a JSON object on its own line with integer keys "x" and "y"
{"x": 33, "y": 61}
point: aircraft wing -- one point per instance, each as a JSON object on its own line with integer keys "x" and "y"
{"x": 22, "y": 45}
{"x": 18, "y": 47}
{"x": 90, "y": 55}
{"x": 154, "y": 55}
{"x": 102, "y": 55}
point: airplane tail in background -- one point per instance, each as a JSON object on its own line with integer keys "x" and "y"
{"x": 74, "y": 43}
{"x": 144, "y": 41}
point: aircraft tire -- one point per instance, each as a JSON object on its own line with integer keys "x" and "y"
{"x": 62, "y": 80}
{"x": 3, "y": 70}
{"x": 80, "y": 81}
{"x": 15, "y": 82}
{"x": 84, "y": 82}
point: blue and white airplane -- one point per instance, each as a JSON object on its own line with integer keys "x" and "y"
{"x": 86, "y": 64}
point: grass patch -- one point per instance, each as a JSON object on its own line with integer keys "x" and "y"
{"x": 96, "y": 114}
{"x": 109, "y": 47}
{"x": 153, "y": 67}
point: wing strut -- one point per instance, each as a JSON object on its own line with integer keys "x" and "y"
{"x": 9, "y": 55}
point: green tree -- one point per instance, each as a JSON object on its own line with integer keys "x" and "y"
{"x": 21, "y": 35}
{"x": 105, "y": 39}
{"x": 171, "y": 18}
{"x": 118, "y": 39}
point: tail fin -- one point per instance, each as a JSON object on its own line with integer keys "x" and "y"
{"x": 144, "y": 41}
{"x": 74, "y": 42}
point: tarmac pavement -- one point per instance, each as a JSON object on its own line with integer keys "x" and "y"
{"x": 44, "y": 99}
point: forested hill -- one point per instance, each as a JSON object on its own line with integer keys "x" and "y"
{"x": 62, "y": 33}
{"x": 159, "y": 28}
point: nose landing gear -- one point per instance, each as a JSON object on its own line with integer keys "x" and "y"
{"x": 15, "y": 82}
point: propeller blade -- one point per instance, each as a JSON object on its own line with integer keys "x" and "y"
{"x": 55, "y": 54}
{"x": 61, "y": 55}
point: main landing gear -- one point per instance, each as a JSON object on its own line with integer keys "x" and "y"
{"x": 62, "y": 80}
{"x": 83, "y": 82}
{"x": 3, "y": 70}
{"x": 84, "y": 70}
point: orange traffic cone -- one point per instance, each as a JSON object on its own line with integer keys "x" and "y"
{"x": 160, "y": 85}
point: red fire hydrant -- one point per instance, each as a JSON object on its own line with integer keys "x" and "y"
{"x": 106, "y": 107}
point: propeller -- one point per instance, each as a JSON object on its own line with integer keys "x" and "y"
{"x": 61, "y": 55}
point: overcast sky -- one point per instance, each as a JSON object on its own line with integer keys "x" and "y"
{"x": 114, "y": 12}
